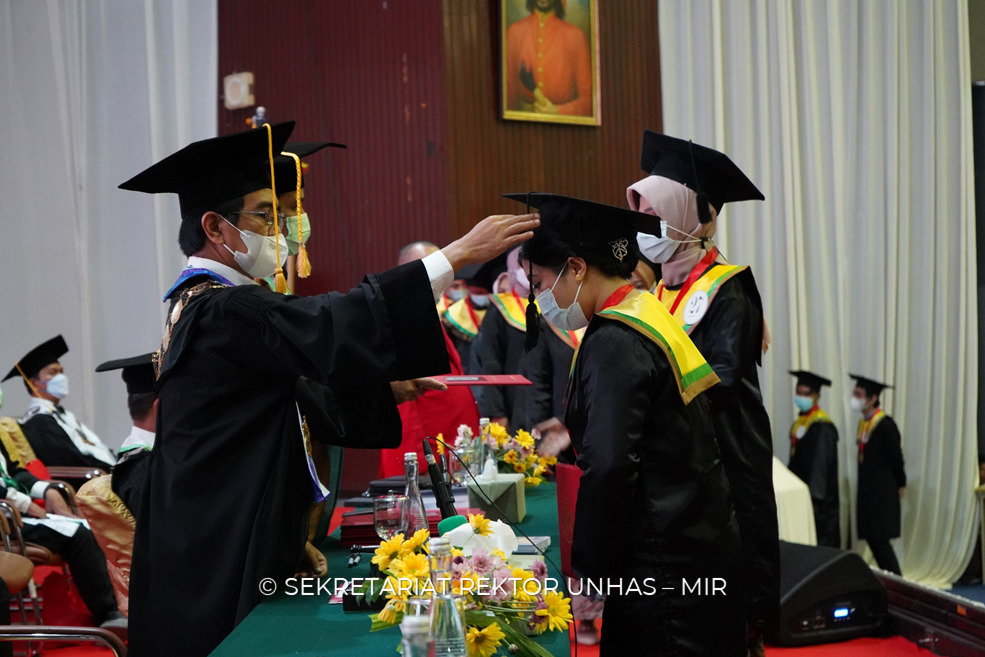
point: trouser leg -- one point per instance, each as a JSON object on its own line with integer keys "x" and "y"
{"x": 884, "y": 554}
{"x": 86, "y": 562}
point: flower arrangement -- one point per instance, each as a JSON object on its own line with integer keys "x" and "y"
{"x": 502, "y": 602}
{"x": 518, "y": 453}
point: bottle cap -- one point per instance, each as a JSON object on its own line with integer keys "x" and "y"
{"x": 438, "y": 544}
{"x": 417, "y": 624}
{"x": 410, "y": 456}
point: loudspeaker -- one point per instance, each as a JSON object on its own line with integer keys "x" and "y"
{"x": 826, "y": 595}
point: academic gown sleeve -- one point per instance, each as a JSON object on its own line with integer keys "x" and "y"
{"x": 53, "y": 447}
{"x": 350, "y": 416}
{"x": 129, "y": 477}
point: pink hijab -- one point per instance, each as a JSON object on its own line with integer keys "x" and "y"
{"x": 675, "y": 204}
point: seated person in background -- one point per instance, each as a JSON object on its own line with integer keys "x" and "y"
{"x": 131, "y": 468}
{"x": 54, "y": 433}
{"x": 464, "y": 316}
{"x": 63, "y": 534}
{"x": 814, "y": 456}
{"x": 435, "y": 411}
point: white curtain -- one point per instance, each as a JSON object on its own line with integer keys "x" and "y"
{"x": 854, "y": 118}
{"x": 92, "y": 92}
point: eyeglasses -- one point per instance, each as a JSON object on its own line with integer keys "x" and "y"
{"x": 267, "y": 216}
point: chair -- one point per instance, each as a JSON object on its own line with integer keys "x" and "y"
{"x": 113, "y": 525}
{"x": 20, "y": 450}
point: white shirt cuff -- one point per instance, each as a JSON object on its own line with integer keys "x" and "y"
{"x": 20, "y": 501}
{"x": 440, "y": 272}
{"x": 38, "y": 490}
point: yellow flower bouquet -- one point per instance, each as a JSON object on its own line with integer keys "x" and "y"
{"x": 503, "y": 604}
{"x": 518, "y": 453}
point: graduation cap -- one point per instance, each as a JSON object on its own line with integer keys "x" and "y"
{"x": 138, "y": 372}
{"x": 704, "y": 170}
{"x": 38, "y": 358}
{"x": 486, "y": 274}
{"x": 582, "y": 208}
{"x": 285, "y": 168}
{"x": 871, "y": 387}
{"x": 811, "y": 380}
{"x": 215, "y": 170}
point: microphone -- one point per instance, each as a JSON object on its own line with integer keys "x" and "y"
{"x": 442, "y": 490}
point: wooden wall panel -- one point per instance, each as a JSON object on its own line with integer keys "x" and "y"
{"x": 367, "y": 74}
{"x": 488, "y": 156}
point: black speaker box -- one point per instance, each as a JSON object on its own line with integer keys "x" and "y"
{"x": 827, "y": 595}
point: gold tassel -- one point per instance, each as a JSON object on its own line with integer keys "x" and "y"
{"x": 304, "y": 265}
{"x": 280, "y": 283}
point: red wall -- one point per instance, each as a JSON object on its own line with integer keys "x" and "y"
{"x": 364, "y": 73}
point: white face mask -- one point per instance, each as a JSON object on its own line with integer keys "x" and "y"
{"x": 660, "y": 249}
{"x": 260, "y": 259}
{"x": 571, "y": 318}
{"x": 292, "y": 232}
{"x": 57, "y": 386}
{"x": 856, "y": 404}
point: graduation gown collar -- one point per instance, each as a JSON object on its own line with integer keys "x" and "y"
{"x": 645, "y": 314}
{"x": 218, "y": 272}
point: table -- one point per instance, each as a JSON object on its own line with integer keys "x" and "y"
{"x": 307, "y": 625}
{"x": 794, "y": 509}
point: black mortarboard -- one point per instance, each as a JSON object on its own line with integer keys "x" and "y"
{"x": 38, "y": 358}
{"x": 871, "y": 387}
{"x": 212, "y": 171}
{"x": 138, "y": 372}
{"x": 487, "y": 273}
{"x": 640, "y": 221}
{"x": 702, "y": 169}
{"x": 285, "y": 168}
{"x": 811, "y": 380}
{"x": 469, "y": 274}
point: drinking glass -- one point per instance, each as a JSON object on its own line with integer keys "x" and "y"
{"x": 391, "y": 515}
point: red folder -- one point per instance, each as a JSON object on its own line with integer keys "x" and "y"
{"x": 568, "y": 478}
{"x": 483, "y": 380}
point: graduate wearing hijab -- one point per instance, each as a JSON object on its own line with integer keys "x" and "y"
{"x": 653, "y": 503}
{"x": 718, "y": 306}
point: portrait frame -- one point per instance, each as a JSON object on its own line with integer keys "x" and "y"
{"x": 557, "y": 95}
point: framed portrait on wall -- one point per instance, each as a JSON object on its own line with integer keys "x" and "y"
{"x": 549, "y": 61}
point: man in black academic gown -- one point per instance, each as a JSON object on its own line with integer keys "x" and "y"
{"x": 230, "y": 480}
{"x": 881, "y": 477}
{"x": 131, "y": 468}
{"x": 55, "y": 435}
{"x": 814, "y": 456}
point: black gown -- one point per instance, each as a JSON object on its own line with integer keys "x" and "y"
{"x": 548, "y": 368}
{"x": 815, "y": 460}
{"x": 653, "y": 501}
{"x": 228, "y": 490}
{"x": 499, "y": 349}
{"x": 730, "y": 336}
{"x": 53, "y": 447}
{"x": 880, "y": 476}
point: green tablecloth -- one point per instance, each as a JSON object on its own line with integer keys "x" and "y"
{"x": 308, "y": 625}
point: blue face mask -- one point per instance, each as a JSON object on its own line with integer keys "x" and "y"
{"x": 802, "y": 403}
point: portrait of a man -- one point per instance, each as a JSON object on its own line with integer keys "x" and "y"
{"x": 549, "y": 61}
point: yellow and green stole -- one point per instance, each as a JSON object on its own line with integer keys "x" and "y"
{"x": 513, "y": 307}
{"x": 865, "y": 429}
{"x": 803, "y": 423}
{"x": 644, "y": 313}
{"x": 464, "y": 319}
{"x": 690, "y": 303}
